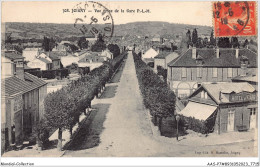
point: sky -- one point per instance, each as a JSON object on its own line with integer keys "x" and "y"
{"x": 196, "y": 13}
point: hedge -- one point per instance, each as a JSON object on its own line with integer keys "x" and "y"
{"x": 199, "y": 126}
{"x": 157, "y": 97}
{"x": 50, "y": 74}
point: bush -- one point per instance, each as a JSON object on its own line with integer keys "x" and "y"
{"x": 195, "y": 124}
{"x": 51, "y": 74}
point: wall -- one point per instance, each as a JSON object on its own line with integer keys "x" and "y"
{"x": 174, "y": 75}
{"x": 239, "y": 110}
{"x": 37, "y": 64}
{"x": 30, "y": 110}
{"x": 42, "y": 95}
{"x": 159, "y": 62}
{"x": 7, "y": 67}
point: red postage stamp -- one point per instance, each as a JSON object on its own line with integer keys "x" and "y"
{"x": 234, "y": 18}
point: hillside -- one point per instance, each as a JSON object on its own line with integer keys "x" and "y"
{"x": 38, "y": 30}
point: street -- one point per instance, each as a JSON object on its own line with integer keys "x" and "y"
{"x": 120, "y": 126}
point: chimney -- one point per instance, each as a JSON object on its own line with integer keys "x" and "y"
{"x": 172, "y": 47}
{"x": 193, "y": 52}
{"x": 237, "y": 52}
{"x": 217, "y": 52}
{"x": 243, "y": 65}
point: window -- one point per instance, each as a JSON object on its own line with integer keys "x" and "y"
{"x": 199, "y": 71}
{"x": 214, "y": 72}
{"x": 206, "y": 95}
{"x": 202, "y": 95}
{"x": 184, "y": 72}
{"x": 230, "y": 73}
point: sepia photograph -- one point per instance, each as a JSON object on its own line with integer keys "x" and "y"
{"x": 125, "y": 79}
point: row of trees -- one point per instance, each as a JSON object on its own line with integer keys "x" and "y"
{"x": 192, "y": 39}
{"x": 157, "y": 97}
{"x": 63, "y": 107}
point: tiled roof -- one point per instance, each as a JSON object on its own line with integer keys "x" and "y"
{"x": 44, "y": 60}
{"x": 216, "y": 89}
{"x": 249, "y": 78}
{"x": 227, "y": 58}
{"x": 14, "y": 85}
{"x": 55, "y": 55}
{"x": 12, "y": 55}
{"x": 162, "y": 55}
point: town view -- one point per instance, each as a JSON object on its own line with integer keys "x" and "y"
{"x": 146, "y": 89}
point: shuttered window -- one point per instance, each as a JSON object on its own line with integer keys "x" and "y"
{"x": 214, "y": 72}
{"x": 183, "y": 72}
{"x": 230, "y": 73}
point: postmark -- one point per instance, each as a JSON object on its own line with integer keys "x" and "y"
{"x": 234, "y": 18}
{"x": 96, "y": 19}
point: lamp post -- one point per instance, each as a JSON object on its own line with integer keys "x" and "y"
{"x": 177, "y": 119}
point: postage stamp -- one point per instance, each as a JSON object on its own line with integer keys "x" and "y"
{"x": 234, "y": 18}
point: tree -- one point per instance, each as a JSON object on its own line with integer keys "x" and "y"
{"x": 188, "y": 38}
{"x": 224, "y": 42}
{"x": 48, "y": 44}
{"x": 212, "y": 39}
{"x": 83, "y": 43}
{"x": 114, "y": 48}
{"x": 234, "y": 42}
{"x": 194, "y": 37}
{"x": 56, "y": 112}
{"x": 245, "y": 43}
{"x": 99, "y": 45}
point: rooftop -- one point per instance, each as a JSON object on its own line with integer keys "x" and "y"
{"x": 13, "y": 85}
{"x": 226, "y": 58}
{"x": 12, "y": 55}
{"x": 215, "y": 90}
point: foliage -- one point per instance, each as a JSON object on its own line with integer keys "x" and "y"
{"x": 114, "y": 48}
{"x": 194, "y": 37}
{"x": 224, "y": 42}
{"x": 163, "y": 72}
{"x": 83, "y": 43}
{"x": 41, "y": 132}
{"x": 99, "y": 45}
{"x": 51, "y": 74}
{"x": 48, "y": 44}
{"x": 63, "y": 107}
{"x": 234, "y": 42}
{"x": 157, "y": 97}
{"x": 212, "y": 39}
{"x": 196, "y": 125}
{"x": 245, "y": 43}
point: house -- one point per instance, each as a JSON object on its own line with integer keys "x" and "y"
{"x": 63, "y": 46}
{"x": 21, "y": 101}
{"x": 107, "y": 53}
{"x": 91, "y": 60}
{"x": 225, "y": 107}
{"x": 56, "y": 59}
{"x": 91, "y": 40}
{"x": 44, "y": 56}
{"x": 163, "y": 58}
{"x": 42, "y": 63}
{"x": 30, "y": 53}
{"x": 69, "y": 60}
{"x": 206, "y": 65}
{"x": 252, "y": 79}
{"x": 150, "y": 53}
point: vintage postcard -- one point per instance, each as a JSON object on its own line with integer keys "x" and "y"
{"x": 130, "y": 79}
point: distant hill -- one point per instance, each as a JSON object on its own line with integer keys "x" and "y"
{"x": 38, "y": 30}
